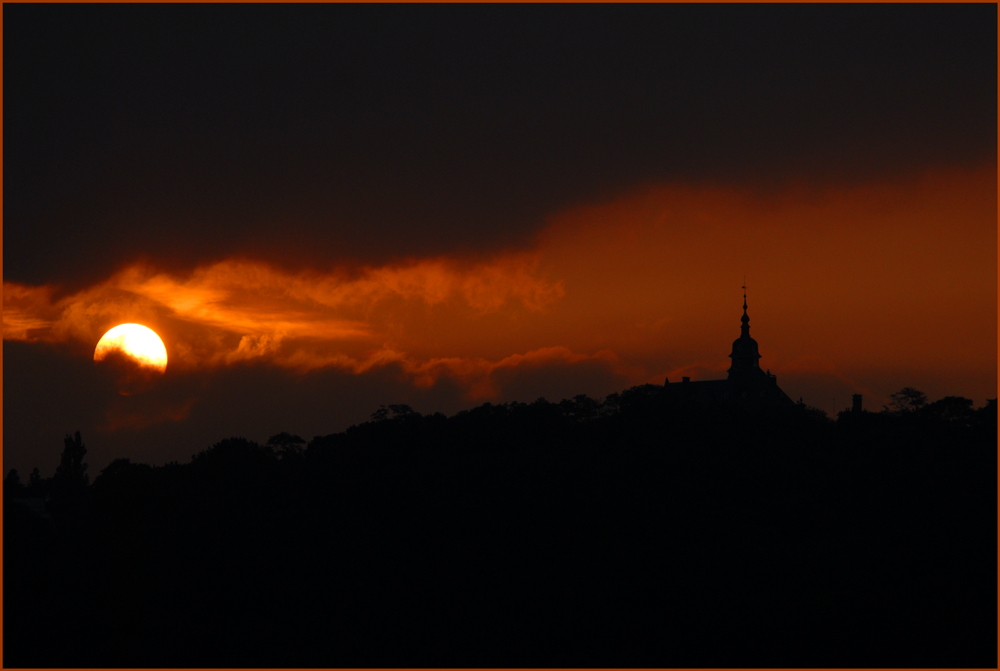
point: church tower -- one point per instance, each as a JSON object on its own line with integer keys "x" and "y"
{"x": 745, "y": 355}
{"x": 747, "y": 387}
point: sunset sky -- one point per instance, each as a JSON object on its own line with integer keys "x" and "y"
{"x": 321, "y": 209}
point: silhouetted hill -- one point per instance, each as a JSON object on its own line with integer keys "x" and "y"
{"x": 635, "y": 531}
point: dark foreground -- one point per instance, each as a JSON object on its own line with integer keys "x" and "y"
{"x": 632, "y": 533}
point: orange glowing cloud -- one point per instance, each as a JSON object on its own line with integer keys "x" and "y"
{"x": 869, "y": 286}
{"x": 241, "y": 310}
{"x": 880, "y": 285}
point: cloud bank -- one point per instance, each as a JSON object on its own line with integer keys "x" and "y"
{"x": 896, "y": 277}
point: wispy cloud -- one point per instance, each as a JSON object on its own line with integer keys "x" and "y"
{"x": 842, "y": 279}
{"x": 240, "y": 310}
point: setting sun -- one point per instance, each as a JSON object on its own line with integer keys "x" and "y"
{"x": 137, "y": 341}
{"x": 463, "y": 301}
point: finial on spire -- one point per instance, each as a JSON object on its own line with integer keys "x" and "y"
{"x": 745, "y": 319}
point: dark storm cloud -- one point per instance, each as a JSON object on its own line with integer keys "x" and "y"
{"x": 304, "y": 134}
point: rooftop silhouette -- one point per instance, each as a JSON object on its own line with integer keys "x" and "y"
{"x": 747, "y": 385}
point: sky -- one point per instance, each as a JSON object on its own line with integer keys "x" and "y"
{"x": 325, "y": 208}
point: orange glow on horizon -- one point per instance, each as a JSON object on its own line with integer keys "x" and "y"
{"x": 858, "y": 286}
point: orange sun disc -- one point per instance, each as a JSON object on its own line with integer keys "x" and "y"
{"x": 135, "y": 341}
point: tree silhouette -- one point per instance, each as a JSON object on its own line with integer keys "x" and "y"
{"x": 957, "y": 409}
{"x": 906, "y": 400}
{"x": 72, "y": 472}
{"x": 286, "y": 445}
{"x": 36, "y": 485}
{"x": 401, "y": 410}
{"x": 12, "y": 486}
{"x": 69, "y": 484}
{"x": 395, "y": 411}
{"x": 580, "y": 408}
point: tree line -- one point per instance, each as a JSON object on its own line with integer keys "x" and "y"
{"x": 634, "y": 530}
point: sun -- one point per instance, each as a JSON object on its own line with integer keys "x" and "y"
{"x": 135, "y": 341}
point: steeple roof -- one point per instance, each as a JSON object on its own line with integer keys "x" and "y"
{"x": 744, "y": 355}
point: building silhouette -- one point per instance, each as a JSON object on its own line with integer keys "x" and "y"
{"x": 747, "y": 386}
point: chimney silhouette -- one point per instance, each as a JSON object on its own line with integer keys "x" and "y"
{"x": 856, "y": 408}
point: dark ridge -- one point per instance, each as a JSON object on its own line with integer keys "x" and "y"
{"x": 645, "y": 529}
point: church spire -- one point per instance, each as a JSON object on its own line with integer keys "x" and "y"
{"x": 745, "y": 329}
{"x": 745, "y": 355}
